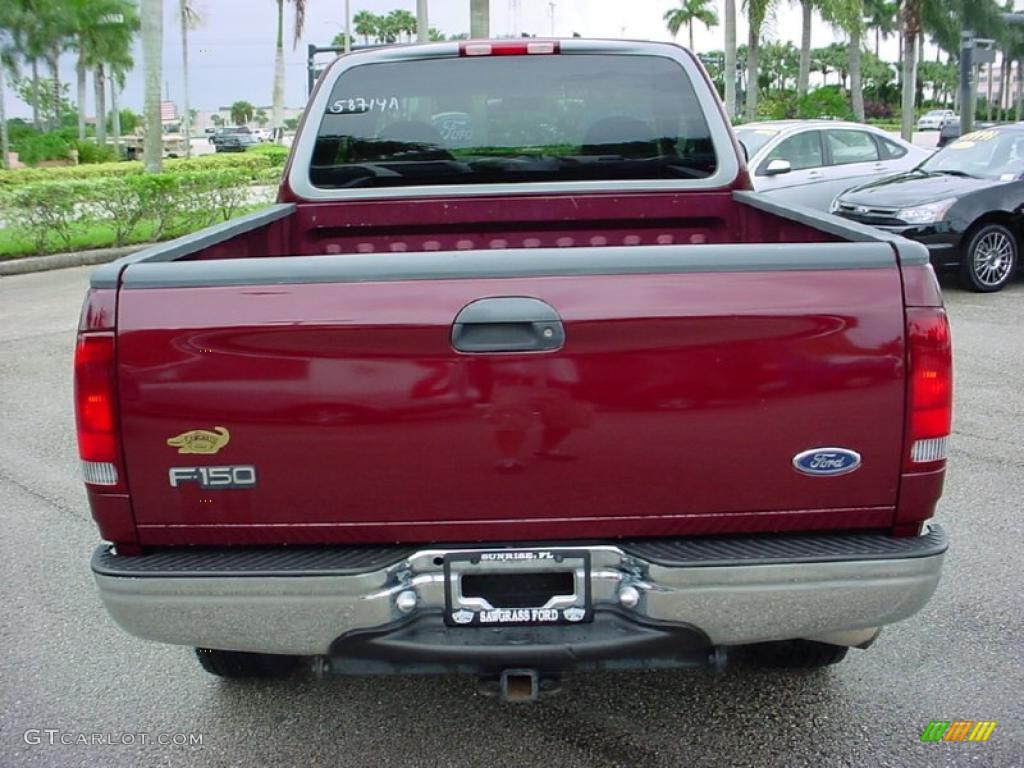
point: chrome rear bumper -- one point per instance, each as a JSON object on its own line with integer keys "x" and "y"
{"x": 830, "y": 587}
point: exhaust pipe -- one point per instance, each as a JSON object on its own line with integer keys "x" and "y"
{"x": 519, "y": 686}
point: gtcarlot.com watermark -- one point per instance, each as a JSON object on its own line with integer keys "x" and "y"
{"x": 55, "y": 736}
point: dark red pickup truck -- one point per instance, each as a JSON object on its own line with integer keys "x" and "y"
{"x": 517, "y": 378}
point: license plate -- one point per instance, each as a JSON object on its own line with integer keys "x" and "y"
{"x": 517, "y": 587}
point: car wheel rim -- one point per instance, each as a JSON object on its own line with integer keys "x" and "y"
{"x": 993, "y": 258}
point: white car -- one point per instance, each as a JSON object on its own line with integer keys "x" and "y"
{"x": 809, "y": 162}
{"x": 933, "y": 119}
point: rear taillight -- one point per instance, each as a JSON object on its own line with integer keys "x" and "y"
{"x": 508, "y": 48}
{"x": 95, "y": 413}
{"x": 930, "y": 401}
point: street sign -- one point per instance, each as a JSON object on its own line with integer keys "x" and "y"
{"x": 984, "y": 56}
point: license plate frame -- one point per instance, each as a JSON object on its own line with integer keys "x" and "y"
{"x": 463, "y": 612}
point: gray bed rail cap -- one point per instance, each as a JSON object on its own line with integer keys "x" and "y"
{"x": 108, "y": 275}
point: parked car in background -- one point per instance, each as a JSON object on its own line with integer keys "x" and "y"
{"x": 809, "y": 162}
{"x": 933, "y": 119}
{"x": 950, "y": 130}
{"x": 964, "y": 203}
{"x": 235, "y": 139}
{"x": 262, "y": 134}
{"x": 209, "y": 130}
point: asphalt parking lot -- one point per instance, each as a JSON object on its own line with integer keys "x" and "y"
{"x": 67, "y": 667}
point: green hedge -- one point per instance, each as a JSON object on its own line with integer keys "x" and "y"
{"x": 43, "y": 146}
{"x": 49, "y": 213}
{"x": 254, "y": 163}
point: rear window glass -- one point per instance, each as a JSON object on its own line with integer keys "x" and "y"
{"x": 753, "y": 139}
{"x": 480, "y": 120}
{"x": 892, "y": 149}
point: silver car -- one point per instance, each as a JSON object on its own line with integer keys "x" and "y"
{"x": 809, "y": 162}
{"x": 933, "y": 119}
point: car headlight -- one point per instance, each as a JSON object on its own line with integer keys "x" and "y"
{"x": 927, "y": 213}
{"x": 834, "y": 205}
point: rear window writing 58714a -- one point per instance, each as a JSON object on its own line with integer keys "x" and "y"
{"x": 360, "y": 104}
{"x": 512, "y": 119}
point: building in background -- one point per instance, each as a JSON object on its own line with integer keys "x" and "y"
{"x": 996, "y": 94}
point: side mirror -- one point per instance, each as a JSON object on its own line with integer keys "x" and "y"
{"x": 775, "y": 167}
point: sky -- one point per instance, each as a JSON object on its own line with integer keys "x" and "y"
{"x": 232, "y": 51}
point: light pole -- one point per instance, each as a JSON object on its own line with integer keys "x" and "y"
{"x": 479, "y": 18}
{"x": 348, "y": 26}
{"x": 422, "y": 23}
{"x": 552, "y": 5}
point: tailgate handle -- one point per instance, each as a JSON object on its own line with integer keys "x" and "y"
{"x": 508, "y": 324}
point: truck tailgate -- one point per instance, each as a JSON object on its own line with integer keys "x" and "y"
{"x": 689, "y": 379}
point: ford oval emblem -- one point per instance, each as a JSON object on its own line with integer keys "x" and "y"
{"x": 826, "y": 461}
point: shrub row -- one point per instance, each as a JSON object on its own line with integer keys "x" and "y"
{"x": 254, "y": 162}
{"x": 48, "y": 212}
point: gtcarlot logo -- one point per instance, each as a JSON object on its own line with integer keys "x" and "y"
{"x": 55, "y": 736}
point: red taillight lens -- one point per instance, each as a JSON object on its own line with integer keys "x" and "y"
{"x": 94, "y": 398}
{"x": 931, "y": 386}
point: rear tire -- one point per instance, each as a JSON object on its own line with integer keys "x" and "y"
{"x": 238, "y": 664}
{"x": 989, "y": 259}
{"x": 798, "y": 654}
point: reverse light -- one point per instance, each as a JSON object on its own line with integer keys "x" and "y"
{"x": 928, "y": 213}
{"x": 509, "y": 48}
{"x": 95, "y": 416}
{"x": 930, "y": 400}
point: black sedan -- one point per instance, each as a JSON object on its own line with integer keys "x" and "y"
{"x": 237, "y": 139}
{"x": 965, "y": 203}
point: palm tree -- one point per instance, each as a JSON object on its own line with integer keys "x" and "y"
{"x": 80, "y": 70}
{"x": 188, "y": 18}
{"x": 242, "y": 112}
{"x": 119, "y": 57}
{"x": 848, "y": 16}
{"x": 757, "y": 11}
{"x": 365, "y": 24}
{"x": 688, "y": 12}
{"x": 807, "y": 19}
{"x": 103, "y": 33}
{"x": 8, "y": 63}
{"x": 401, "y": 22}
{"x": 911, "y": 17}
{"x": 29, "y": 42}
{"x": 729, "y": 73}
{"x": 58, "y": 31}
{"x": 113, "y": 27}
{"x": 277, "y": 122}
{"x": 881, "y": 17}
{"x": 152, "y": 51}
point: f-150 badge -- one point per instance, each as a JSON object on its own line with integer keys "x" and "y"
{"x": 200, "y": 440}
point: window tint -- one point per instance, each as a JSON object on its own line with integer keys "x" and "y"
{"x": 802, "y": 151}
{"x": 851, "y": 147}
{"x": 512, "y": 119}
{"x": 892, "y": 149}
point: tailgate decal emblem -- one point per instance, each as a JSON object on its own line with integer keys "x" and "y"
{"x": 826, "y": 461}
{"x": 201, "y": 441}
